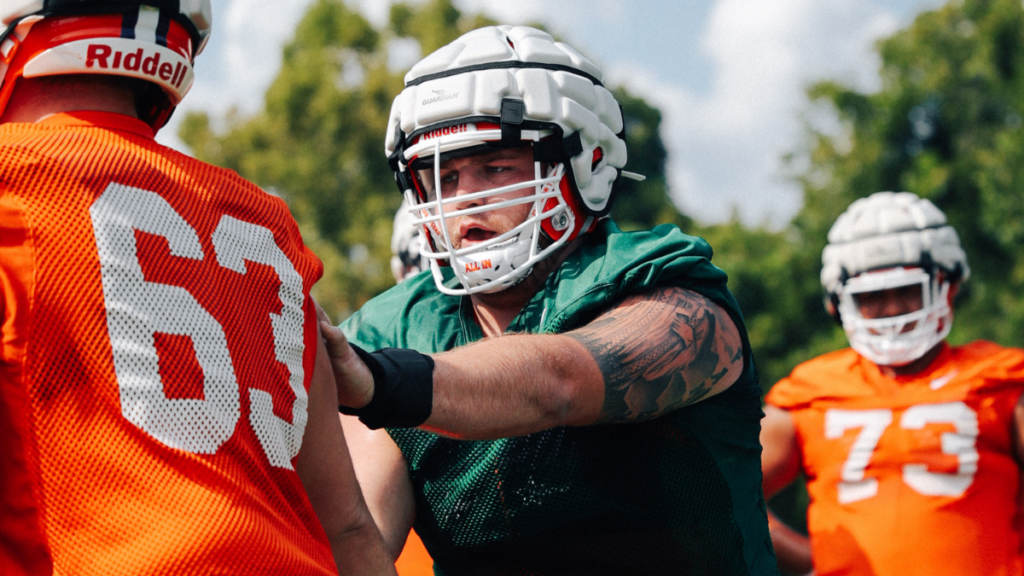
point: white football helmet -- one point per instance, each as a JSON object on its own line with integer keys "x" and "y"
{"x": 885, "y": 241}
{"x": 407, "y": 258}
{"x": 501, "y": 87}
{"x": 152, "y": 40}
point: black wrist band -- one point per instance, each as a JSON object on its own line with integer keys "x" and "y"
{"x": 403, "y": 388}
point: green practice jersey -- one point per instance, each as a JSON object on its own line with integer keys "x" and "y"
{"x": 680, "y": 494}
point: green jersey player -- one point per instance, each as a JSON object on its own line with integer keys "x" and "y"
{"x": 577, "y": 399}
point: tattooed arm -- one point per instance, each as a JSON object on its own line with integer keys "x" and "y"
{"x": 651, "y": 354}
{"x": 661, "y": 351}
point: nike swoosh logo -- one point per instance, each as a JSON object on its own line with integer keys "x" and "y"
{"x": 942, "y": 380}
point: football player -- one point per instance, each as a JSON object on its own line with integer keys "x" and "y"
{"x": 911, "y": 447}
{"x": 167, "y": 404}
{"x": 407, "y": 258}
{"x": 580, "y": 399}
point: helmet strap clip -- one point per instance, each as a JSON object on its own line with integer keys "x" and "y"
{"x": 512, "y": 114}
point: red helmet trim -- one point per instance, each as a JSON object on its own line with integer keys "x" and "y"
{"x": 94, "y": 45}
{"x": 579, "y": 216}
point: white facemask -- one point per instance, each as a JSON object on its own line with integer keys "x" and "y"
{"x": 887, "y": 341}
{"x": 506, "y": 259}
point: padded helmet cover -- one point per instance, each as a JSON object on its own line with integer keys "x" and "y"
{"x": 469, "y": 79}
{"x": 889, "y": 229}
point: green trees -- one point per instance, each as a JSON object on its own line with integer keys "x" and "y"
{"x": 945, "y": 125}
{"x": 317, "y": 144}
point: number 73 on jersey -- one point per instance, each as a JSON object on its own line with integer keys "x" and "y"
{"x": 961, "y": 442}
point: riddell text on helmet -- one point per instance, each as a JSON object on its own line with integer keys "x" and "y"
{"x": 447, "y": 130}
{"x": 105, "y": 57}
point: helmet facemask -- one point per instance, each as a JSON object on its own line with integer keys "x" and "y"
{"x": 900, "y": 339}
{"x": 506, "y": 258}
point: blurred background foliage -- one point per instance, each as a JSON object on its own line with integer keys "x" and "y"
{"x": 945, "y": 124}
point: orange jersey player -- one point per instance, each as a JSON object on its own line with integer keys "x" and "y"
{"x": 165, "y": 402}
{"x": 911, "y": 447}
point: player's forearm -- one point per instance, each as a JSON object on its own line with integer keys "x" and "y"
{"x": 514, "y": 385}
{"x": 324, "y": 466}
{"x": 359, "y": 549}
{"x": 792, "y": 549}
{"x": 384, "y": 479}
{"x": 356, "y": 543}
{"x": 650, "y": 355}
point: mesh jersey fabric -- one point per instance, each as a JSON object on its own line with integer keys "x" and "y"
{"x": 158, "y": 330}
{"x": 680, "y": 494}
{"x": 23, "y": 549}
{"x": 912, "y": 475}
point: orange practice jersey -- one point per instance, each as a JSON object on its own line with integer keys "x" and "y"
{"x": 414, "y": 560}
{"x": 913, "y": 475}
{"x": 158, "y": 342}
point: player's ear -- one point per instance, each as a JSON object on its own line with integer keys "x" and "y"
{"x": 831, "y": 302}
{"x": 954, "y": 289}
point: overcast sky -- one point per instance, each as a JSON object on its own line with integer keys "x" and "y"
{"x": 728, "y": 75}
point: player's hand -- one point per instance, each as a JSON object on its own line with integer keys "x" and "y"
{"x": 351, "y": 376}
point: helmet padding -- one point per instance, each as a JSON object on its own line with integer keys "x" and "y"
{"x": 472, "y": 79}
{"x": 890, "y": 229}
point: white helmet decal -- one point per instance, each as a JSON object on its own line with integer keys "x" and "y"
{"x": 891, "y": 240}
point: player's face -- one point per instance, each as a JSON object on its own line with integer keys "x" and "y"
{"x": 891, "y": 302}
{"x": 485, "y": 171}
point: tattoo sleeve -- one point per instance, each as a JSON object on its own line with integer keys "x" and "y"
{"x": 660, "y": 351}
